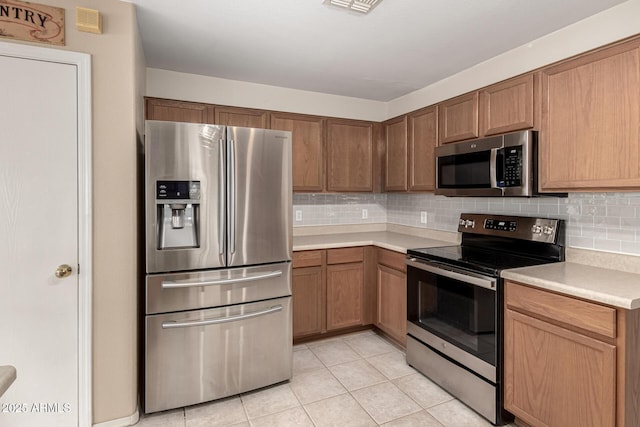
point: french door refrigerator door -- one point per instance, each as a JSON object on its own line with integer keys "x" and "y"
{"x": 200, "y": 355}
{"x": 259, "y": 196}
{"x": 184, "y": 155}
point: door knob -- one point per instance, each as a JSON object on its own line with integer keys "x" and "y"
{"x": 63, "y": 271}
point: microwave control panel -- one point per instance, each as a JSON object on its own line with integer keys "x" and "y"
{"x": 512, "y": 167}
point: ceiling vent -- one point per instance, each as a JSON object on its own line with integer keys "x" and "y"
{"x": 363, "y": 6}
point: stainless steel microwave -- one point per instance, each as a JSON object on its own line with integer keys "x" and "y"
{"x": 503, "y": 165}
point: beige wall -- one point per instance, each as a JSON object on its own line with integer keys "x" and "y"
{"x": 118, "y": 75}
{"x": 603, "y": 28}
{"x": 598, "y": 30}
{"x": 212, "y": 90}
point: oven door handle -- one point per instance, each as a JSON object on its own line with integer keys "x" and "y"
{"x": 452, "y": 273}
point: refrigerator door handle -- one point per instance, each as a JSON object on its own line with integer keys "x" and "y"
{"x": 232, "y": 199}
{"x": 170, "y": 284}
{"x": 174, "y": 324}
{"x": 221, "y": 202}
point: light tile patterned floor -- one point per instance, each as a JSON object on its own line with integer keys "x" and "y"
{"x": 354, "y": 380}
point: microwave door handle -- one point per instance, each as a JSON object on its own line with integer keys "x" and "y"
{"x": 493, "y": 167}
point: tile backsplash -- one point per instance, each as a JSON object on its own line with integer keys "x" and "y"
{"x": 602, "y": 221}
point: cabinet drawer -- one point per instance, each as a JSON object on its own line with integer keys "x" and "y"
{"x": 307, "y": 258}
{"x": 392, "y": 259}
{"x": 580, "y": 314}
{"x": 345, "y": 255}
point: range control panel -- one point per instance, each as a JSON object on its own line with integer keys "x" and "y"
{"x": 495, "y": 224}
{"x": 519, "y": 227}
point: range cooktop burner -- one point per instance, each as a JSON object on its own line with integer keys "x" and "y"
{"x": 492, "y": 243}
{"x": 475, "y": 259}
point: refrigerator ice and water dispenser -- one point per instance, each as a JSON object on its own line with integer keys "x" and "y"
{"x": 178, "y": 209}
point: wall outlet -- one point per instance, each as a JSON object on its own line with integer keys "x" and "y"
{"x": 423, "y": 217}
{"x": 365, "y": 214}
{"x": 298, "y": 215}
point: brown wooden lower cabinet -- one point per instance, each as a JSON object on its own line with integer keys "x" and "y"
{"x": 569, "y": 362}
{"x": 345, "y": 291}
{"x": 331, "y": 290}
{"x": 308, "y": 301}
{"x": 392, "y": 295}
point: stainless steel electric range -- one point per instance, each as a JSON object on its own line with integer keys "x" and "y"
{"x": 455, "y": 303}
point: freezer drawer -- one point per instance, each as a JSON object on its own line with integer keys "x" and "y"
{"x": 202, "y": 355}
{"x": 213, "y": 288}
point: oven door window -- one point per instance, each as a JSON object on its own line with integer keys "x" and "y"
{"x": 458, "y": 312}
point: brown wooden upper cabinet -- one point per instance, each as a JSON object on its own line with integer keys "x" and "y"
{"x": 175, "y": 111}
{"x": 503, "y": 107}
{"x": 458, "y": 118}
{"x": 350, "y": 155}
{"x": 423, "y": 138}
{"x": 409, "y": 151}
{"x": 590, "y": 133}
{"x": 243, "y": 117}
{"x": 508, "y": 106}
{"x": 396, "y": 154}
{"x": 308, "y": 146}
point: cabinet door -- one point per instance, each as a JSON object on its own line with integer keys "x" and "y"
{"x": 350, "y": 154}
{"x": 395, "y": 132}
{"x": 175, "y": 111}
{"x": 557, "y": 377}
{"x": 392, "y": 303}
{"x": 344, "y": 295}
{"x": 308, "y": 301}
{"x": 507, "y": 106}
{"x": 590, "y": 134}
{"x": 243, "y": 117}
{"x": 458, "y": 118}
{"x": 423, "y": 138}
{"x": 308, "y": 142}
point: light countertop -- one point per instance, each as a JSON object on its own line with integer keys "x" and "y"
{"x": 607, "y": 278}
{"x": 7, "y": 377}
{"x": 394, "y": 241}
{"x": 612, "y": 287}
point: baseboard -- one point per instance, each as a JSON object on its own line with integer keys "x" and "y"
{"x": 121, "y": 422}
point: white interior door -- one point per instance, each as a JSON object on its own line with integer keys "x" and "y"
{"x": 39, "y": 232}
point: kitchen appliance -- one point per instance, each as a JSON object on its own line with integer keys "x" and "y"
{"x": 455, "y": 300}
{"x": 503, "y": 165}
{"x": 218, "y": 261}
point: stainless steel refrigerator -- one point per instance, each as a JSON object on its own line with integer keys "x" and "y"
{"x": 218, "y": 231}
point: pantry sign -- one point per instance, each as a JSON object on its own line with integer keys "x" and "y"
{"x": 31, "y": 22}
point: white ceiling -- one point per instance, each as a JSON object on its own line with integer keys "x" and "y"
{"x": 401, "y": 46}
